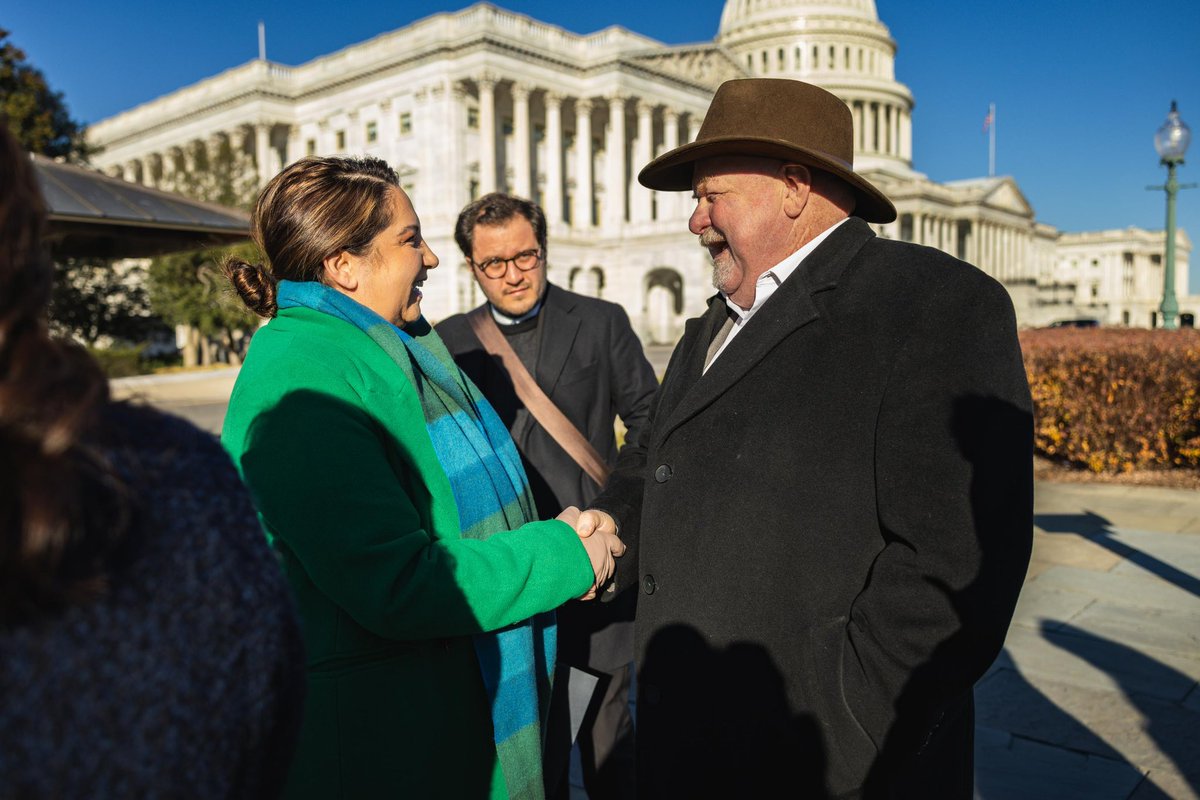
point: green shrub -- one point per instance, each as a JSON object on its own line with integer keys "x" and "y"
{"x": 1115, "y": 400}
{"x": 119, "y": 362}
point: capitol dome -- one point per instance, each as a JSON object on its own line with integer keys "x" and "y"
{"x": 840, "y": 45}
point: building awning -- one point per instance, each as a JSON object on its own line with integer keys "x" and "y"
{"x": 94, "y": 215}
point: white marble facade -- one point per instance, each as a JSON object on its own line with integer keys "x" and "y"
{"x": 483, "y": 99}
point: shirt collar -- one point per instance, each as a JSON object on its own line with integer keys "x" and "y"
{"x": 504, "y": 319}
{"x": 771, "y": 280}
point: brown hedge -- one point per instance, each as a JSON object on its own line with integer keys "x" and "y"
{"x": 1115, "y": 400}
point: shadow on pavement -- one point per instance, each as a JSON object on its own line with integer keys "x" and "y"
{"x": 1098, "y": 529}
{"x": 1166, "y": 723}
{"x": 1054, "y": 755}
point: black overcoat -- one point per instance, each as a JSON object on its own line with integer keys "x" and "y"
{"x": 591, "y": 364}
{"x": 829, "y": 529}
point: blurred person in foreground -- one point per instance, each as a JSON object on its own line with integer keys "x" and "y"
{"x": 149, "y": 646}
{"x": 588, "y": 364}
{"x": 398, "y": 503}
{"x": 831, "y": 506}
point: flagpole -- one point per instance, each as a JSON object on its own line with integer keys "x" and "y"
{"x": 992, "y": 140}
{"x": 262, "y": 41}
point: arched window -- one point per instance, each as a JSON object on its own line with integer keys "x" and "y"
{"x": 663, "y": 305}
{"x": 596, "y": 281}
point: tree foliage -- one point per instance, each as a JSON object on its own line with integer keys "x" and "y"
{"x": 220, "y": 176}
{"x": 36, "y": 114}
{"x": 95, "y": 299}
{"x": 189, "y": 289}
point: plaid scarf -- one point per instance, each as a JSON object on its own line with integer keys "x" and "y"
{"x": 492, "y": 494}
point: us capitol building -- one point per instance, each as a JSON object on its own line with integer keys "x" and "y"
{"x": 484, "y": 99}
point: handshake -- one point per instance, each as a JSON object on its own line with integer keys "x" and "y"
{"x": 598, "y": 532}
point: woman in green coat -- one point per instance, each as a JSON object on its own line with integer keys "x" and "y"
{"x": 397, "y": 503}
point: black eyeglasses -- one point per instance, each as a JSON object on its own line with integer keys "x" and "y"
{"x": 497, "y": 267}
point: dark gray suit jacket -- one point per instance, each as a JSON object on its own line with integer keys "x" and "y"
{"x": 591, "y": 364}
{"x": 829, "y": 529}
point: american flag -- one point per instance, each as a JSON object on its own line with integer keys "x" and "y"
{"x": 987, "y": 122}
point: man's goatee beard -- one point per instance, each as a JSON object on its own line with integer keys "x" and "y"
{"x": 721, "y": 274}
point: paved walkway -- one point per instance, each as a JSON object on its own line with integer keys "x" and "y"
{"x": 1095, "y": 695}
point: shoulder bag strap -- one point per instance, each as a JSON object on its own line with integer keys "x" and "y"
{"x": 548, "y": 415}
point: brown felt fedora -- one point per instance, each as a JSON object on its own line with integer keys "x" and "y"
{"x": 774, "y": 118}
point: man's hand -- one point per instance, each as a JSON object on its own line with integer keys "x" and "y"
{"x": 598, "y": 532}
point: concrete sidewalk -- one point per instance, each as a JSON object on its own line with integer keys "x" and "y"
{"x": 1095, "y": 695}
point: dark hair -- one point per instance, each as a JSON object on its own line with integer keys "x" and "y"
{"x": 314, "y": 208}
{"x": 63, "y": 511}
{"x": 497, "y": 208}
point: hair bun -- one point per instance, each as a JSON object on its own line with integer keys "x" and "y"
{"x": 254, "y": 284}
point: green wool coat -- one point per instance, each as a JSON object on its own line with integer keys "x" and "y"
{"x": 330, "y": 437}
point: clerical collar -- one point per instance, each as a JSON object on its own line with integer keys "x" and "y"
{"x": 504, "y": 319}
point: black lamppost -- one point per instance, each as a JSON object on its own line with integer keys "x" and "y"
{"x": 1171, "y": 142}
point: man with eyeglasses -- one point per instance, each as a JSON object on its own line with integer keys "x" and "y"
{"x": 585, "y": 357}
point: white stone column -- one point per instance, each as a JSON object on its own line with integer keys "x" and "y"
{"x": 153, "y": 169}
{"x": 1002, "y": 252}
{"x": 212, "y": 148}
{"x": 389, "y": 128}
{"x": 262, "y": 144}
{"x": 522, "y": 186}
{"x": 554, "y": 158}
{"x": 997, "y": 252}
{"x": 906, "y": 137}
{"x": 694, "y": 123}
{"x": 487, "y": 133}
{"x": 614, "y": 179}
{"x": 894, "y": 148}
{"x": 873, "y": 128}
{"x": 1029, "y": 271}
{"x": 581, "y": 212}
{"x": 147, "y": 170}
{"x": 189, "y": 156}
{"x": 170, "y": 160}
{"x": 639, "y": 196}
{"x": 670, "y": 203}
{"x": 295, "y": 144}
{"x": 984, "y": 245}
{"x": 1010, "y": 252}
{"x": 1014, "y": 266}
{"x": 354, "y": 133}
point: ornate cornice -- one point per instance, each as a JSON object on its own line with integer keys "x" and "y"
{"x": 705, "y": 66}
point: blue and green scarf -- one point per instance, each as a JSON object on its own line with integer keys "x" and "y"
{"x": 492, "y": 493}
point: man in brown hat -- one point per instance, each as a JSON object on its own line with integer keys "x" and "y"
{"x": 829, "y": 513}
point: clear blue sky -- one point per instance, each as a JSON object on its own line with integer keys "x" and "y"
{"x": 1079, "y": 87}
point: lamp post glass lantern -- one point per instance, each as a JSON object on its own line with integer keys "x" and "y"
{"x": 1171, "y": 142}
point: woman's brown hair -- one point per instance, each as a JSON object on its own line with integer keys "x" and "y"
{"x": 313, "y": 209}
{"x": 63, "y": 512}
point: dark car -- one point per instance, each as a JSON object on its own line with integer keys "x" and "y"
{"x": 1083, "y": 322}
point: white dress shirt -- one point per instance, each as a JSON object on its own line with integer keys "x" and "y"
{"x": 766, "y": 285}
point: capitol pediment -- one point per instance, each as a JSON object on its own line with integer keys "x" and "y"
{"x": 1008, "y": 197}
{"x": 706, "y": 66}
